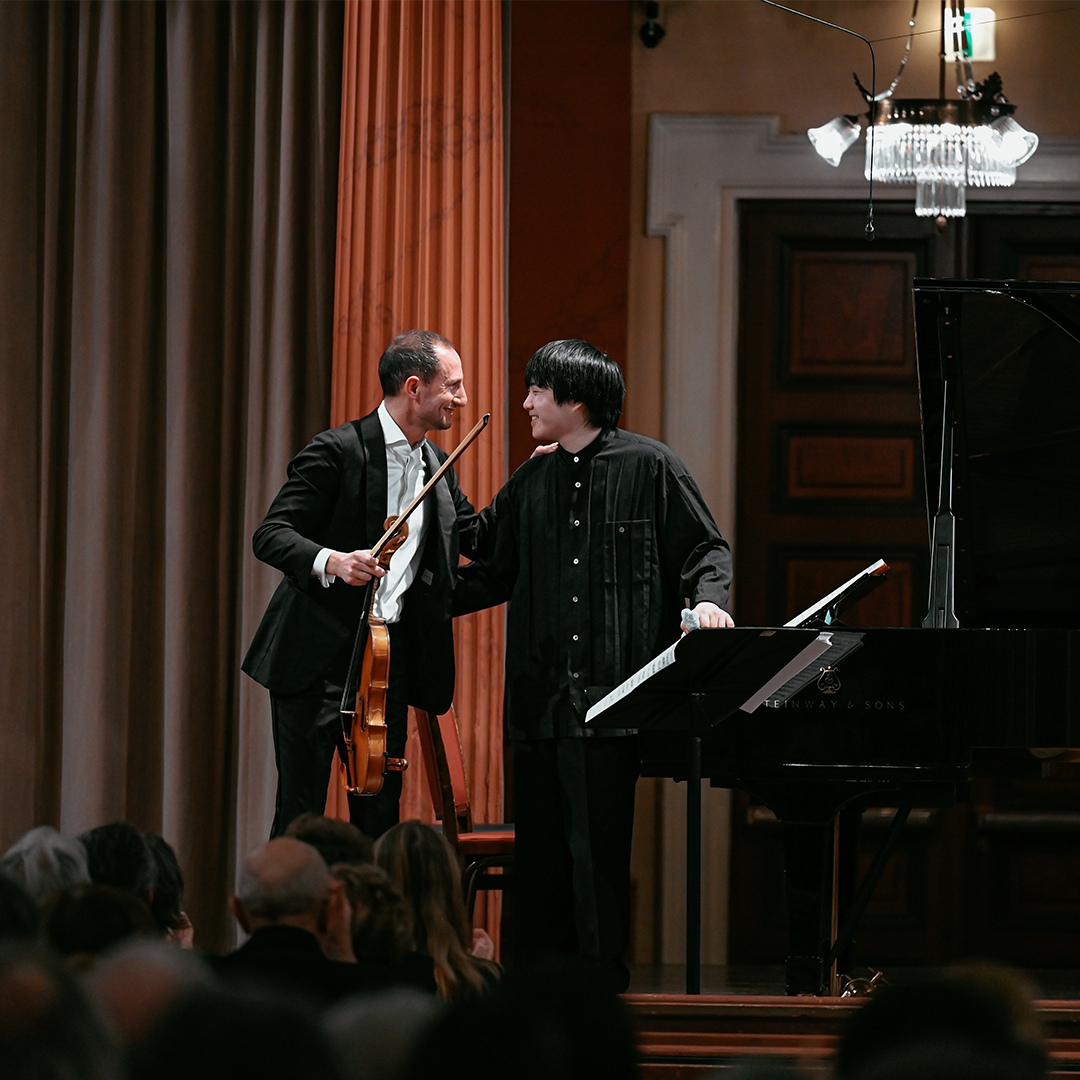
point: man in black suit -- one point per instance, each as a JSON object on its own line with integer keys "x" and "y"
{"x": 299, "y": 920}
{"x": 318, "y": 532}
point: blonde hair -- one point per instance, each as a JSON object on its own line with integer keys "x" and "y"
{"x": 423, "y": 865}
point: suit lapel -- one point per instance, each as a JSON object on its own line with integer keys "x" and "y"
{"x": 443, "y": 516}
{"x": 375, "y": 494}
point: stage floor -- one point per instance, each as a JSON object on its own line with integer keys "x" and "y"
{"x": 743, "y": 1014}
{"x": 1054, "y": 984}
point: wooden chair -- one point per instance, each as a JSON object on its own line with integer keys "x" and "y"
{"x": 479, "y": 847}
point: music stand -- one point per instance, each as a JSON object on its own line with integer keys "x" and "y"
{"x": 699, "y": 682}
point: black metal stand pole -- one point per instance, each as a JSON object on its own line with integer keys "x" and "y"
{"x": 693, "y": 868}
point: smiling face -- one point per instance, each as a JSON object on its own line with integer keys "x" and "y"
{"x": 436, "y": 401}
{"x": 550, "y": 421}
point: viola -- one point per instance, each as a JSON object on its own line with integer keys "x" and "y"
{"x": 365, "y": 763}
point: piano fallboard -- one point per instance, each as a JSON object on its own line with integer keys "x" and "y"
{"x": 912, "y": 704}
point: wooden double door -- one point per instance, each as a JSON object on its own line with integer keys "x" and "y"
{"x": 830, "y": 478}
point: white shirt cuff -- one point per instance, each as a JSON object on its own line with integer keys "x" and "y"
{"x": 318, "y": 569}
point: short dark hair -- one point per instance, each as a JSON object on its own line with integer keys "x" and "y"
{"x": 411, "y": 353}
{"x": 118, "y": 855}
{"x": 574, "y": 370}
{"x": 335, "y": 840}
{"x": 167, "y": 901}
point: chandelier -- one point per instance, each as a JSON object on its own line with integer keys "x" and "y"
{"x": 941, "y": 146}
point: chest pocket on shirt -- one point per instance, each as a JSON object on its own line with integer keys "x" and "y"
{"x": 629, "y": 568}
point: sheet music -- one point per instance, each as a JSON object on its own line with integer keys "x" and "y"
{"x": 657, "y": 664}
{"x": 794, "y": 666}
{"x": 828, "y": 649}
{"x": 823, "y": 604}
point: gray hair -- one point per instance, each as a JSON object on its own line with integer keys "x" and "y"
{"x": 284, "y": 877}
{"x": 46, "y": 861}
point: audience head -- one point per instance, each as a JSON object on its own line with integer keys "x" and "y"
{"x": 211, "y": 1033}
{"x": 574, "y": 370}
{"x": 381, "y": 920}
{"x": 286, "y": 881}
{"x": 556, "y": 1021}
{"x": 85, "y": 920}
{"x": 48, "y": 1028}
{"x": 422, "y": 864}
{"x": 975, "y": 1019}
{"x": 167, "y": 895}
{"x": 336, "y": 841}
{"x": 118, "y": 855}
{"x": 375, "y": 1037}
{"x": 134, "y": 983}
{"x": 46, "y": 861}
{"x": 19, "y": 915}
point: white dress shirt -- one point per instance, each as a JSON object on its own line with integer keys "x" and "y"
{"x": 404, "y": 480}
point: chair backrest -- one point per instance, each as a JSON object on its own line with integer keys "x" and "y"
{"x": 440, "y": 744}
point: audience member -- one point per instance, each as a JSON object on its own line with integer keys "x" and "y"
{"x": 335, "y": 840}
{"x": 118, "y": 855}
{"x": 19, "y": 915}
{"x": 375, "y": 1037}
{"x": 211, "y": 1033}
{"x": 422, "y": 864}
{"x": 968, "y": 1022}
{"x": 382, "y": 931}
{"x": 559, "y": 1020}
{"x": 48, "y": 1027}
{"x": 85, "y": 920}
{"x": 46, "y": 861}
{"x": 167, "y": 899}
{"x": 134, "y": 983}
{"x": 298, "y": 918}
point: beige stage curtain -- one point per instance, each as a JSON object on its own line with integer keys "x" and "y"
{"x": 167, "y": 208}
{"x": 420, "y": 244}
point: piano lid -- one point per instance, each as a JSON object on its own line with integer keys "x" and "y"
{"x": 999, "y": 383}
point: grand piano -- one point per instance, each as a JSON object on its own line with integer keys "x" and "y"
{"x": 903, "y": 720}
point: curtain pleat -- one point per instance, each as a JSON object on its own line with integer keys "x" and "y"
{"x": 167, "y": 213}
{"x": 420, "y": 228}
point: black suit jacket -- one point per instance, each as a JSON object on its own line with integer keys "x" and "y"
{"x": 335, "y": 497}
{"x": 293, "y": 959}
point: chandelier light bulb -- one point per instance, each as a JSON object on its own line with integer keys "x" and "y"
{"x": 832, "y": 139}
{"x": 1017, "y": 143}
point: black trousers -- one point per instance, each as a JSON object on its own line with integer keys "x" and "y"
{"x": 574, "y": 823}
{"x": 307, "y": 727}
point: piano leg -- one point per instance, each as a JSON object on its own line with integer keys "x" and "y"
{"x": 808, "y": 849}
{"x": 808, "y": 814}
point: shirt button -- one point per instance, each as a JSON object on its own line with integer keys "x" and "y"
{"x": 622, "y": 528}
{"x": 576, "y": 675}
{"x": 577, "y": 522}
{"x": 577, "y": 459}
{"x": 574, "y": 598}
{"x": 575, "y": 637}
{"x": 577, "y": 483}
{"x": 576, "y": 562}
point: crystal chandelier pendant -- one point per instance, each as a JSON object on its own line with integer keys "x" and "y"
{"x": 944, "y": 147}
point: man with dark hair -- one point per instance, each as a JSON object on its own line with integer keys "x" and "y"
{"x": 599, "y": 545}
{"x": 319, "y": 531}
{"x": 336, "y": 841}
{"x": 117, "y": 854}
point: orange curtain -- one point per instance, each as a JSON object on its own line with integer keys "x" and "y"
{"x": 420, "y": 244}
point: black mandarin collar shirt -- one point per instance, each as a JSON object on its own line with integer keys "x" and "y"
{"x": 597, "y": 552}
